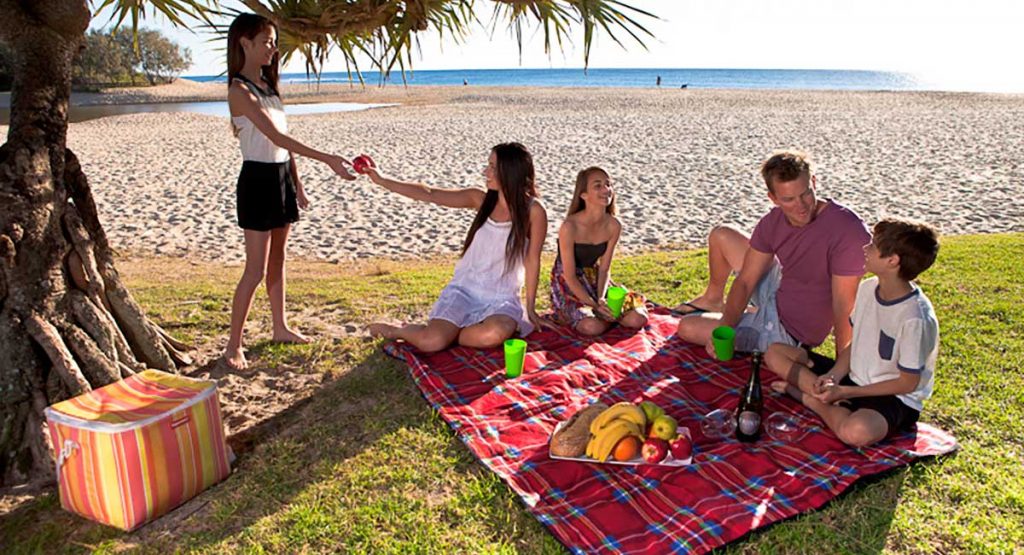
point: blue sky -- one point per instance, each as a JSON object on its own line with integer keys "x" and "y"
{"x": 955, "y": 42}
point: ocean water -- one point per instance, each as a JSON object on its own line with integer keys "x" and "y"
{"x": 78, "y": 114}
{"x": 638, "y": 78}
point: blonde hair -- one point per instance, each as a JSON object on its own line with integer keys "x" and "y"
{"x": 578, "y": 204}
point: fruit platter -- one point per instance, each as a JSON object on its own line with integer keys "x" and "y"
{"x": 624, "y": 433}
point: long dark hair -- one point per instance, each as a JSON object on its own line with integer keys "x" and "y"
{"x": 516, "y": 180}
{"x": 578, "y": 204}
{"x": 248, "y": 25}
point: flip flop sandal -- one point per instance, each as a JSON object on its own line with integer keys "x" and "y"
{"x": 696, "y": 310}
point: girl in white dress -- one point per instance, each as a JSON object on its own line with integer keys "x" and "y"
{"x": 481, "y": 305}
{"x": 269, "y": 193}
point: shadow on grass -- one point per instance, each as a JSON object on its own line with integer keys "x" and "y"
{"x": 858, "y": 520}
{"x": 342, "y": 448}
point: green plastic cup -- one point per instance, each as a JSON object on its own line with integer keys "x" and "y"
{"x": 615, "y": 297}
{"x": 724, "y": 339}
{"x": 515, "y": 353}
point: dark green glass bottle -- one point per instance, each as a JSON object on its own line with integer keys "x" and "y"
{"x": 748, "y": 413}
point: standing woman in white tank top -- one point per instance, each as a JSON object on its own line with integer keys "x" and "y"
{"x": 269, "y": 193}
{"x": 481, "y": 307}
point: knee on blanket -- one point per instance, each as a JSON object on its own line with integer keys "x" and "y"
{"x": 856, "y": 432}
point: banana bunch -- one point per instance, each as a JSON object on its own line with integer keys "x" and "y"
{"x": 611, "y": 426}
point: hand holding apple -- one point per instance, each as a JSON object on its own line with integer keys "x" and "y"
{"x": 363, "y": 162}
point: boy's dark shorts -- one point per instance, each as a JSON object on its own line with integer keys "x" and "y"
{"x": 896, "y": 413}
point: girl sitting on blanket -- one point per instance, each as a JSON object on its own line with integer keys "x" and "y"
{"x": 582, "y": 270}
{"x": 480, "y": 307}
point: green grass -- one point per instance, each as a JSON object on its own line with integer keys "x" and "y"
{"x": 365, "y": 466}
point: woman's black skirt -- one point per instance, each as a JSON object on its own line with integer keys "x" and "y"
{"x": 266, "y": 196}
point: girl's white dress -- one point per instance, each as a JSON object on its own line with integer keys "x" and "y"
{"x": 481, "y": 287}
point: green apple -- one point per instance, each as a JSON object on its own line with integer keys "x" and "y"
{"x": 664, "y": 427}
{"x": 652, "y": 411}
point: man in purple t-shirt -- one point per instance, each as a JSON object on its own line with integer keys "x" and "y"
{"x": 800, "y": 268}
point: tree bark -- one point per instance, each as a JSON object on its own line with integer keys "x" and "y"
{"x": 67, "y": 322}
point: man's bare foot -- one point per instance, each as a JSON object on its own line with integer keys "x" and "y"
{"x": 380, "y": 329}
{"x": 698, "y": 305}
{"x": 287, "y": 335}
{"x": 234, "y": 358}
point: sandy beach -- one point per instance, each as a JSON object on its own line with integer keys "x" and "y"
{"x": 682, "y": 161}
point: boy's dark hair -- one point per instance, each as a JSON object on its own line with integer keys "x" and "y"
{"x": 916, "y": 243}
{"x": 785, "y": 165}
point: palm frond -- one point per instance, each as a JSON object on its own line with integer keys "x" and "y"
{"x": 176, "y": 11}
{"x": 385, "y": 31}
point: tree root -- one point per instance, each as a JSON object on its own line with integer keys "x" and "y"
{"x": 47, "y": 336}
{"x": 172, "y": 341}
{"x": 98, "y": 322}
{"x": 89, "y": 317}
{"x": 98, "y": 369}
{"x": 180, "y": 358}
{"x": 39, "y": 445}
{"x": 125, "y": 370}
{"x": 98, "y": 265}
{"x": 145, "y": 341}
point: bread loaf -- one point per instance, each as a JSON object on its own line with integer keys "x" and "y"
{"x": 572, "y": 439}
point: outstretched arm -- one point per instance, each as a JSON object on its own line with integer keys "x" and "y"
{"x": 451, "y": 198}
{"x": 244, "y": 102}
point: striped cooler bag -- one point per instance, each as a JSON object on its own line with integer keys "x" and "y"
{"x": 135, "y": 449}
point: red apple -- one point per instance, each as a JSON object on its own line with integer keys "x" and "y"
{"x": 681, "y": 447}
{"x": 362, "y": 162}
{"x": 654, "y": 450}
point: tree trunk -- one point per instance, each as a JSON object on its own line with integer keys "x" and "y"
{"x": 67, "y": 322}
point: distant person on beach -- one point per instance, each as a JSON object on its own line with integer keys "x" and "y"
{"x": 800, "y": 268}
{"x": 269, "y": 192}
{"x": 582, "y": 270}
{"x": 465, "y": 82}
{"x": 659, "y": 81}
{"x": 480, "y": 307}
{"x": 878, "y": 386}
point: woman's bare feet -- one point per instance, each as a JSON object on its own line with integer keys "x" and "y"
{"x": 380, "y": 329}
{"x": 234, "y": 358}
{"x": 287, "y": 335}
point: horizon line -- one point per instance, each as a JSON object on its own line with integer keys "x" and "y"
{"x": 584, "y": 70}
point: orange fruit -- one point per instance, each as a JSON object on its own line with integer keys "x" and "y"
{"x": 627, "y": 448}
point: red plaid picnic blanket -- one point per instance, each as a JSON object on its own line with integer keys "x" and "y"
{"x": 728, "y": 491}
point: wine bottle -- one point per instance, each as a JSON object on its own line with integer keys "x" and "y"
{"x": 748, "y": 413}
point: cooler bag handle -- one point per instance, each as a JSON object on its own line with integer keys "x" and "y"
{"x": 66, "y": 452}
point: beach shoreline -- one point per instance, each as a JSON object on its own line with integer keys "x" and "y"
{"x": 683, "y": 161}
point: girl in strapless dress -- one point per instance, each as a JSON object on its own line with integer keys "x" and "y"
{"x": 582, "y": 270}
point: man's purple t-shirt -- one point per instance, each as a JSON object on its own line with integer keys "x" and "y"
{"x": 831, "y": 245}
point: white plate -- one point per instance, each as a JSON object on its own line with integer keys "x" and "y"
{"x": 667, "y": 461}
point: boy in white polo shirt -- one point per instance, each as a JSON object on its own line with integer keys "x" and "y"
{"x": 876, "y": 387}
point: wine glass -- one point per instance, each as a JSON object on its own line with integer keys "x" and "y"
{"x": 718, "y": 423}
{"x": 783, "y": 426}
